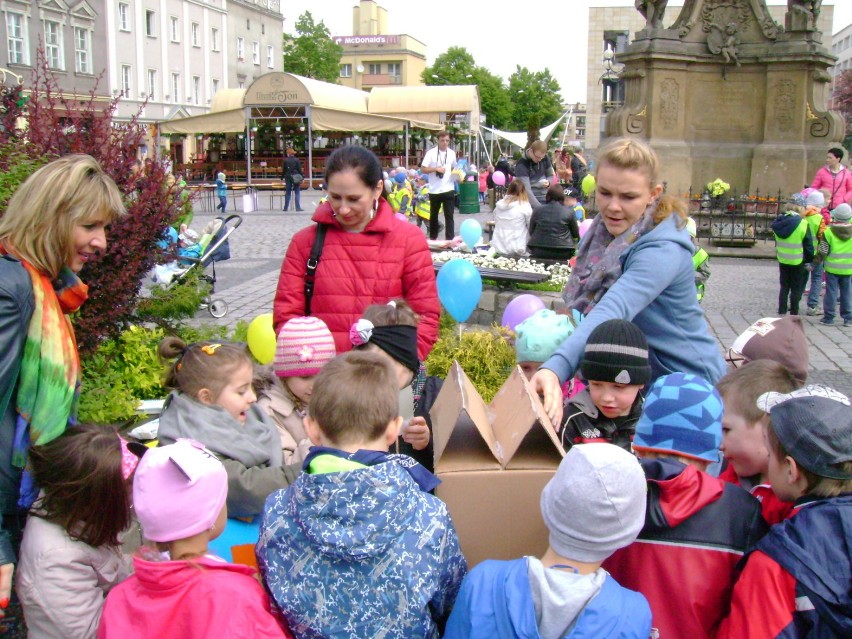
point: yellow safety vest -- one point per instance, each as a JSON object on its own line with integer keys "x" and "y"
{"x": 839, "y": 258}
{"x": 395, "y": 199}
{"x": 789, "y": 250}
{"x": 813, "y": 222}
{"x": 698, "y": 259}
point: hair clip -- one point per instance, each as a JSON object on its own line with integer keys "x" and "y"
{"x": 361, "y": 332}
{"x": 210, "y": 349}
{"x": 128, "y": 459}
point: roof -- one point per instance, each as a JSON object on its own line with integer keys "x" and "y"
{"x": 227, "y": 100}
{"x": 427, "y": 102}
{"x": 279, "y": 88}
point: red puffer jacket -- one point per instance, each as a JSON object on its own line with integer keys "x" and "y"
{"x": 389, "y": 259}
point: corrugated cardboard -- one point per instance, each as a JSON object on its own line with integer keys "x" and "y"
{"x": 493, "y": 461}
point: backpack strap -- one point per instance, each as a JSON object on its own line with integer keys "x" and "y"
{"x": 311, "y": 266}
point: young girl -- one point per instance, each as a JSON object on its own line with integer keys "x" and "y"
{"x": 305, "y": 345}
{"x": 70, "y": 555}
{"x": 179, "y": 590}
{"x": 213, "y": 402}
{"x": 512, "y": 222}
{"x": 221, "y": 192}
{"x": 391, "y": 329}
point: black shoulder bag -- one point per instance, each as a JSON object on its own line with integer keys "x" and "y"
{"x": 311, "y": 266}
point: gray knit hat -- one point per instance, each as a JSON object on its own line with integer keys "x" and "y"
{"x": 595, "y": 504}
{"x": 616, "y": 351}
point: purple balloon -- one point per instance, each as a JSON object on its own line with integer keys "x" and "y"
{"x": 400, "y": 216}
{"x": 520, "y": 309}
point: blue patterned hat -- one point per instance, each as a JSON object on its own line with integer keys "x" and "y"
{"x": 682, "y": 416}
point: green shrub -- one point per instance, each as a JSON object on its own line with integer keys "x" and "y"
{"x": 486, "y": 356}
{"x": 176, "y": 302}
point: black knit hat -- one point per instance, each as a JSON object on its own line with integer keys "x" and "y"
{"x": 616, "y": 351}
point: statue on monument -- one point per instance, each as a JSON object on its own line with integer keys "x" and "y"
{"x": 652, "y": 11}
{"x": 724, "y": 41}
{"x": 809, "y": 8}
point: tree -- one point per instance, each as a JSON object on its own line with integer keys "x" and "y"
{"x": 841, "y": 99}
{"x": 535, "y": 99}
{"x": 312, "y": 53}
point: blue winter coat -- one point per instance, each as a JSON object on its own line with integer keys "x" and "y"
{"x": 360, "y": 553}
{"x": 496, "y": 601}
{"x": 656, "y": 291}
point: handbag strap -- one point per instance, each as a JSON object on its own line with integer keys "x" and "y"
{"x": 311, "y": 266}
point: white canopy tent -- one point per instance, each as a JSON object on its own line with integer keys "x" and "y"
{"x": 519, "y": 138}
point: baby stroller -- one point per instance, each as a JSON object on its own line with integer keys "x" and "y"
{"x": 214, "y": 248}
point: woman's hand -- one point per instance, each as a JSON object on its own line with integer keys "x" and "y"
{"x": 546, "y": 383}
{"x": 7, "y": 571}
{"x": 417, "y": 433}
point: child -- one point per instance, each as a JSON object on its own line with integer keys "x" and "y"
{"x": 483, "y": 184}
{"x": 835, "y": 249}
{"x": 71, "y": 553}
{"x": 814, "y": 207}
{"x": 400, "y": 198}
{"x": 179, "y": 590}
{"x": 594, "y": 505}
{"x": 700, "y": 260}
{"x": 538, "y": 337}
{"x": 794, "y": 247}
{"x": 742, "y": 435}
{"x": 795, "y": 583}
{"x": 213, "y": 402}
{"x": 615, "y": 367}
{"x": 572, "y": 201}
{"x": 221, "y": 192}
{"x": 512, "y": 222}
{"x": 305, "y": 345}
{"x": 355, "y": 547}
{"x": 391, "y": 330}
{"x": 188, "y": 247}
{"x": 696, "y": 527}
{"x": 781, "y": 339}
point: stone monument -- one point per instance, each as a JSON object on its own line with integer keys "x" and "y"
{"x": 726, "y": 92}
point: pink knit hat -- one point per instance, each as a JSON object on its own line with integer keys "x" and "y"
{"x": 305, "y": 345}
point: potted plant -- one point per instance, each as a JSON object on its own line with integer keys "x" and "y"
{"x": 716, "y": 189}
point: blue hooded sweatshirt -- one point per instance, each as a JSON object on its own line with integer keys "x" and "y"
{"x": 496, "y": 600}
{"x": 656, "y": 291}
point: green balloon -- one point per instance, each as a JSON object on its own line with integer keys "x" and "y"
{"x": 588, "y": 184}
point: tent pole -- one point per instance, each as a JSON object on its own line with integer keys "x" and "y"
{"x": 248, "y": 145}
{"x": 407, "y": 131}
{"x": 310, "y": 148}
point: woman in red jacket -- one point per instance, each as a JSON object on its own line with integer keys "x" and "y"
{"x": 368, "y": 256}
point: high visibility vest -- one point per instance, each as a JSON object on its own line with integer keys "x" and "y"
{"x": 839, "y": 258}
{"x": 396, "y": 198}
{"x": 421, "y": 204}
{"x": 698, "y": 259}
{"x": 813, "y": 222}
{"x": 789, "y": 250}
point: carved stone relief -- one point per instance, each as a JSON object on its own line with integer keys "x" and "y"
{"x": 785, "y": 105}
{"x": 669, "y": 102}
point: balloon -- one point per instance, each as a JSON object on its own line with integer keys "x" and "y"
{"x": 583, "y": 227}
{"x": 499, "y": 178}
{"x": 261, "y": 338}
{"x": 520, "y": 309}
{"x": 471, "y": 231}
{"x": 588, "y": 184}
{"x": 400, "y": 216}
{"x": 459, "y": 288}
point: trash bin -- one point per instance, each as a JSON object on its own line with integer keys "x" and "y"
{"x": 469, "y": 197}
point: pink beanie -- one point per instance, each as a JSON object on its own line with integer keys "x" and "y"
{"x": 305, "y": 345}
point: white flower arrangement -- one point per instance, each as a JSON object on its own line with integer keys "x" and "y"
{"x": 558, "y": 272}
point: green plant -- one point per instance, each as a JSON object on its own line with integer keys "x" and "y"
{"x": 486, "y": 356}
{"x": 717, "y": 187}
{"x": 176, "y": 302}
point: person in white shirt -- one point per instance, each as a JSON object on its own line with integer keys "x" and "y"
{"x": 438, "y": 163}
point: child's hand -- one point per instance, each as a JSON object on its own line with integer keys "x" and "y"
{"x": 417, "y": 433}
{"x": 6, "y": 573}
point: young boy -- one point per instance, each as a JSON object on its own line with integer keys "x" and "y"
{"x": 572, "y": 201}
{"x": 742, "y": 432}
{"x": 594, "y": 505}
{"x": 796, "y": 582}
{"x": 696, "y": 527}
{"x": 355, "y": 548}
{"x": 700, "y": 260}
{"x": 615, "y": 367}
{"x": 781, "y": 339}
{"x": 835, "y": 250}
{"x": 794, "y": 247}
{"x": 538, "y": 337}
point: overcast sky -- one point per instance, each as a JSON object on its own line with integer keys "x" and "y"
{"x": 535, "y": 33}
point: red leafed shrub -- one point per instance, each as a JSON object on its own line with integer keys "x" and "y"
{"x": 58, "y": 125}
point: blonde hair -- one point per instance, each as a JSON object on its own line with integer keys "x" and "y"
{"x": 539, "y": 145}
{"x": 40, "y": 218}
{"x": 516, "y": 192}
{"x": 636, "y": 155}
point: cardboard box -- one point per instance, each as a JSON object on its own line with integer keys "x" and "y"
{"x": 493, "y": 461}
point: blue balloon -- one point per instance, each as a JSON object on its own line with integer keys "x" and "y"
{"x": 459, "y": 288}
{"x": 471, "y": 231}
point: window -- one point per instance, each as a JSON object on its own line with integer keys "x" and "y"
{"x": 125, "y": 80}
{"x": 255, "y": 52}
{"x": 17, "y": 38}
{"x": 195, "y": 30}
{"x": 375, "y": 69}
{"x": 241, "y": 49}
{"x": 123, "y": 17}
{"x": 395, "y": 69}
{"x": 176, "y": 88}
{"x": 174, "y": 29}
{"x": 196, "y": 89}
{"x": 214, "y": 86}
{"x": 345, "y": 70}
{"x": 82, "y": 50}
{"x": 270, "y": 56}
{"x": 152, "y": 84}
{"x": 214, "y": 39}
{"x": 150, "y": 24}
{"x": 53, "y": 45}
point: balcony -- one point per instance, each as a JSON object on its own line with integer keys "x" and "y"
{"x": 380, "y": 79}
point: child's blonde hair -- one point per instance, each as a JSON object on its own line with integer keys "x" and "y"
{"x": 742, "y": 386}
{"x": 201, "y": 365}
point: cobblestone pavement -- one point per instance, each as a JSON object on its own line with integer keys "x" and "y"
{"x": 740, "y": 290}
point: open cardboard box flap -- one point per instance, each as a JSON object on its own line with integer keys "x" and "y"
{"x": 513, "y": 431}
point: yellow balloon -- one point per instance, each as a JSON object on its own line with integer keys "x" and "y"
{"x": 588, "y": 184}
{"x": 261, "y": 338}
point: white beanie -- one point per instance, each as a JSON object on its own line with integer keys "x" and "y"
{"x": 815, "y": 198}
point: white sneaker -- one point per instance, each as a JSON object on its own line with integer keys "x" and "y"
{"x": 814, "y": 311}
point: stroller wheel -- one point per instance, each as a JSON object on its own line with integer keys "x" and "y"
{"x": 218, "y": 308}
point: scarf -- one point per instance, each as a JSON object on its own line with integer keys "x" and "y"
{"x": 49, "y": 380}
{"x": 598, "y": 264}
{"x": 422, "y": 477}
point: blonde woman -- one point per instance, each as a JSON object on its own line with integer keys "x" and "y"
{"x": 512, "y": 222}
{"x": 54, "y": 224}
{"x": 635, "y": 263}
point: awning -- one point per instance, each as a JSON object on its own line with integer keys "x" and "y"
{"x": 323, "y": 119}
{"x": 232, "y": 121}
{"x": 426, "y": 103}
